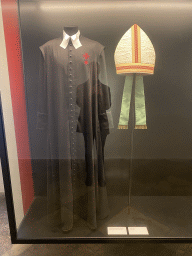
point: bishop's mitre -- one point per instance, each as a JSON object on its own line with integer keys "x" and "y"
{"x": 135, "y": 53}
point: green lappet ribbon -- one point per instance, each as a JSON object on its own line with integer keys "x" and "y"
{"x": 140, "y": 112}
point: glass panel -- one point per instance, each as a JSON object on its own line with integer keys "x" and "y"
{"x": 94, "y": 176}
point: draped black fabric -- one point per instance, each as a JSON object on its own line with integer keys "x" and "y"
{"x": 73, "y": 99}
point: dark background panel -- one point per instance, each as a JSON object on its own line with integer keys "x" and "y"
{"x": 168, "y": 92}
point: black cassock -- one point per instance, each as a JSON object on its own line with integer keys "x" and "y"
{"x": 73, "y": 105}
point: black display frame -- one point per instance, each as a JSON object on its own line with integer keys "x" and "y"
{"x": 11, "y": 214}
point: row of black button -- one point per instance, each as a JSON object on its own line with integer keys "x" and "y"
{"x": 72, "y": 109}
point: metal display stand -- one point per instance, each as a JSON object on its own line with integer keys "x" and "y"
{"x": 132, "y": 115}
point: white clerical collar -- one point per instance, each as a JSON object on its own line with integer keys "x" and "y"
{"x": 74, "y": 38}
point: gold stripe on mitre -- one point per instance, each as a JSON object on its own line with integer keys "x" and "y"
{"x": 127, "y": 68}
{"x": 136, "y": 44}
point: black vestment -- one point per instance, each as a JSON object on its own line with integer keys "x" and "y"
{"x": 73, "y": 97}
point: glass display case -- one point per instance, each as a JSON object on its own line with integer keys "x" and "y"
{"x": 96, "y": 136}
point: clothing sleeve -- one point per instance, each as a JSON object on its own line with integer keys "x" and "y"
{"x": 104, "y": 94}
{"x": 104, "y": 97}
{"x": 42, "y": 117}
{"x": 102, "y": 70}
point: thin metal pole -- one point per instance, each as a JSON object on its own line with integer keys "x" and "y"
{"x": 131, "y": 168}
{"x": 132, "y": 111}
